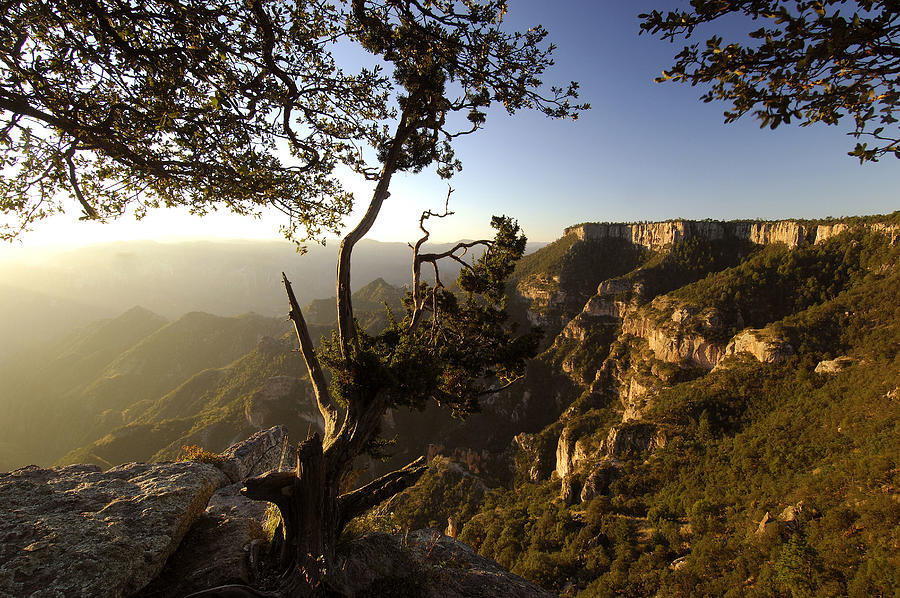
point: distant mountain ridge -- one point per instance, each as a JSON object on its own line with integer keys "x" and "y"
{"x": 138, "y": 387}
{"x": 59, "y": 397}
{"x": 45, "y": 293}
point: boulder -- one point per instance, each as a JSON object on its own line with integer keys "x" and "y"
{"x": 766, "y": 524}
{"x": 763, "y": 344}
{"x": 80, "y": 532}
{"x": 833, "y": 366}
{"x": 262, "y": 452}
{"x": 217, "y": 549}
{"x": 424, "y": 564}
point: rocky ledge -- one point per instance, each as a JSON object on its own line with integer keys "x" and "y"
{"x": 82, "y": 532}
{"x": 152, "y": 530}
{"x": 79, "y": 531}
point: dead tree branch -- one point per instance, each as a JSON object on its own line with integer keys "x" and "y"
{"x": 326, "y": 404}
{"x": 361, "y": 500}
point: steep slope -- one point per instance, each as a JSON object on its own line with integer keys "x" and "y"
{"x": 32, "y": 384}
{"x": 98, "y": 391}
{"x": 729, "y": 426}
{"x": 213, "y": 408}
{"x": 368, "y": 306}
{"x": 216, "y": 405}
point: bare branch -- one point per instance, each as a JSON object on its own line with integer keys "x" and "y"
{"x": 357, "y": 502}
{"x": 418, "y": 300}
{"x": 326, "y": 404}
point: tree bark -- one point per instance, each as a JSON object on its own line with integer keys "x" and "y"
{"x": 346, "y": 323}
{"x": 313, "y": 515}
{"x": 310, "y": 517}
{"x": 324, "y": 400}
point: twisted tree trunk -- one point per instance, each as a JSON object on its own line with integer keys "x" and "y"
{"x": 313, "y": 515}
{"x": 313, "y": 512}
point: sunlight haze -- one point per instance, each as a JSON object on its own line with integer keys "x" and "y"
{"x": 646, "y": 151}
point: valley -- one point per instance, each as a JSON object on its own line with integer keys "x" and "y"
{"x": 714, "y": 410}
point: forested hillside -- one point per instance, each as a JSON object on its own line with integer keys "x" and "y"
{"x": 721, "y": 419}
{"x": 138, "y": 388}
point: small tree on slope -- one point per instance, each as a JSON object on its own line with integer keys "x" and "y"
{"x": 240, "y": 104}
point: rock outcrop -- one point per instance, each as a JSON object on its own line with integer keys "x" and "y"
{"x": 657, "y": 235}
{"x": 678, "y": 333}
{"x": 614, "y": 297}
{"x": 598, "y": 482}
{"x": 278, "y": 400}
{"x": 833, "y": 366}
{"x": 633, "y": 437}
{"x": 570, "y": 450}
{"x": 424, "y": 563}
{"x": 763, "y": 344}
{"x": 262, "y": 452}
{"x": 538, "y": 453}
{"x": 217, "y": 550}
{"x": 544, "y": 297}
{"x": 220, "y": 545}
{"x": 80, "y": 532}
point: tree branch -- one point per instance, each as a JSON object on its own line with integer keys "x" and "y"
{"x": 89, "y": 212}
{"x": 418, "y": 301}
{"x": 326, "y": 404}
{"x": 357, "y": 502}
{"x": 346, "y": 323}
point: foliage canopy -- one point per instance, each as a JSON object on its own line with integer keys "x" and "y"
{"x": 230, "y": 104}
{"x": 806, "y": 62}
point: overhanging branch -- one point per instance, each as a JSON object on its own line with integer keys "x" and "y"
{"x": 89, "y": 212}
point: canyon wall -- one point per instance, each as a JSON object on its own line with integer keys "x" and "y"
{"x": 656, "y": 235}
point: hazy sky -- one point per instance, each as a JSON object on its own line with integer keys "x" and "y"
{"x": 645, "y": 151}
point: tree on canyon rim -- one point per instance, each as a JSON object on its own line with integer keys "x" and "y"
{"x": 806, "y": 61}
{"x": 241, "y": 105}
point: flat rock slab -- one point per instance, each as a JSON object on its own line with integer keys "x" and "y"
{"x": 78, "y": 531}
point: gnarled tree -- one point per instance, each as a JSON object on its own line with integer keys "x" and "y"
{"x": 806, "y": 60}
{"x": 240, "y": 104}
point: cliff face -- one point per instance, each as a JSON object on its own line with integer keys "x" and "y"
{"x": 657, "y": 235}
{"x": 683, "y": 337}
{"x": 701, "y": 296}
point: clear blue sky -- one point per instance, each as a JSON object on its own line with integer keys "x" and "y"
{"x": 646, "y": 151}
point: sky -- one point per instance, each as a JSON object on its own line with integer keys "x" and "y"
{"x": 646, "y": 151}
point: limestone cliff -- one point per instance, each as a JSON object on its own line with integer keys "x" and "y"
{"x": 657, "y": 235}
{"x": 678, "y": 333}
